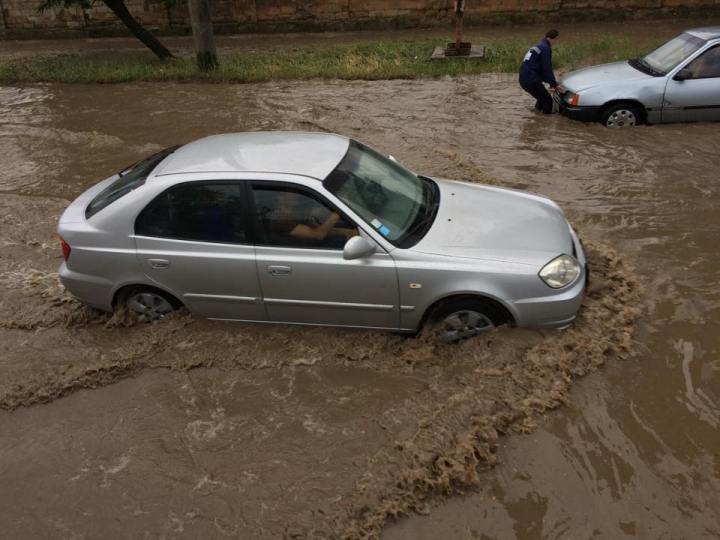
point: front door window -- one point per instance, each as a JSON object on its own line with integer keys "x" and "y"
{"x": 707, "y": 65}
{"x": 293, "y": 217}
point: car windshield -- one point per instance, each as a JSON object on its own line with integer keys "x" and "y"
{"x": 129, "y": 179}
{"x": 669, "y": 55}
{"x": 395, "y": 201}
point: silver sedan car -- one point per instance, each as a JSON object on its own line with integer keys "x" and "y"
{"x": 677, "y": 82}
{"x": 318, "y": 229}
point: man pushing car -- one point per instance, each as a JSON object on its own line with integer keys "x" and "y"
{"x": 536, "y": 69}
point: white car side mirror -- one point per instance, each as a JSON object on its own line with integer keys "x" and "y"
{"x": 357, "y": 248}
{"x": 683, "y": 75}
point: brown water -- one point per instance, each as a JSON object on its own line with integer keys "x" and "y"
{"x": 196, "y": 429}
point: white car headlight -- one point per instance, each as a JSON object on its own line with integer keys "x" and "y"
{"x": 559, "y": 272}
{"x": 571, "y": 98}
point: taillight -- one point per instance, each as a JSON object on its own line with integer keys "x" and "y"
{"x": 65, "y": 248}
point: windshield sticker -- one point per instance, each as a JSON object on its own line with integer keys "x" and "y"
{"x": 375, "y": 223}
{"x": 384, "y": 230}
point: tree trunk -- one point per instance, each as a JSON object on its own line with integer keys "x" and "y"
{"x": 203, "y": 34}
{"x": 2, "y": 19}
{"x": 119, "y": 8}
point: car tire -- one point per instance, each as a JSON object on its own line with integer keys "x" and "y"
{"x": 621, "y": 115}
{"x": 464, "y": 318}
{"x": 149, "y": 305}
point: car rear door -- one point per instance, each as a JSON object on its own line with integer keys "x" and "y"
{"x": 696, "y": 99}
{"x": 193, "y": 240}
{"x": 306, "y": 280}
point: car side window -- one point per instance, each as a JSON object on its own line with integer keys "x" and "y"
{"x": 203, "y": 212}
{"x": 707, "y": 65}
{"x": 298, "y": 218}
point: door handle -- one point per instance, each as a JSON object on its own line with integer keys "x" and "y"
{"x": 279, "y": 270}
{"x": 159, "y": 263}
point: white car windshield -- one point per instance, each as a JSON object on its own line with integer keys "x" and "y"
{"x": 669, "y": 55}
{"x": 395, "y": 201}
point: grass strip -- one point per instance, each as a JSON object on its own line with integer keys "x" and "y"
{"x": 367, "y": 61}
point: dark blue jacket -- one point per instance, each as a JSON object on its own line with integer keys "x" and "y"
{"x": 537, "y": 65}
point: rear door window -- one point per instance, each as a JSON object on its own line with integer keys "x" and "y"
{"x": 203, "y": 212}
{"x": 131, "y": 178}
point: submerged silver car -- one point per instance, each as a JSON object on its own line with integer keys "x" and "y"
{"x": 314, "y": 228}
{"x": 677, "y": 82}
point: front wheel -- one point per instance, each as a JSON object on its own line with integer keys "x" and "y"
{"x": 621, "y": 115}
{"x": 462, "y": 319}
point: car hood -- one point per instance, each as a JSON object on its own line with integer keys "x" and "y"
{"x": 491, "y": 223}
{"x": 615, "y": 73}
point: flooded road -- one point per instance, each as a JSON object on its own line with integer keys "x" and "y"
{"x": 198, "y": 429}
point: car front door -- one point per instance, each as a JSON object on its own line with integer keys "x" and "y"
{"x": 193, "y": 240}
{"x": 303, "y": 276}
{"x": 696, "y": 99}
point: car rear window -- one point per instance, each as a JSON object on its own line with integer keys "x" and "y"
{"x": 131, "y": 178}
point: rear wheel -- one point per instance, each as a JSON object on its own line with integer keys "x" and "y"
{"x": 465, "y": 318}
{"x": 149, "y": 305}
{"x": 621, "y": 115}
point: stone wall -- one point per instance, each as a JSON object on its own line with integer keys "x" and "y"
{"x": 20, "y": 18}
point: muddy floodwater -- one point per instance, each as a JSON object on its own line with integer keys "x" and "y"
{"x": 198, "y": 429}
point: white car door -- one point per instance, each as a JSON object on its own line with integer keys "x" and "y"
{"x": 193, "y": 240}
{"x": 697, "y": 98}
{"x": 305, "y": 279}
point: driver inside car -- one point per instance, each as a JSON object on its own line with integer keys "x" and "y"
{"x": 707, "y": 66}
{"x": 292, "y": 217}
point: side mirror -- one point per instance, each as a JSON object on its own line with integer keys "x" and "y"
{"x": 392, "y": 158}
{"x": 357, "y": 248}
{"x": 683, "y": 75}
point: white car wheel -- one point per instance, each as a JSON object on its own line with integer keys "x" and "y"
{"x": 462, "y": 319}
{"x": 149, "y": 306}
{"x": 620, "y": 116}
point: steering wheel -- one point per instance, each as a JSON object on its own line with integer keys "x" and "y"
{"x": 370, "y": 192}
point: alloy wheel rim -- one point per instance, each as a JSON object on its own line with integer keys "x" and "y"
{"x": 621, "y": 118}
{"x": 149, "y": 307}
{"x": 465, "y": 324}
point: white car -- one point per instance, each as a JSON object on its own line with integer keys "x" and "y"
{"x": 314, "y": 228}
{"x": 677, "y": 82}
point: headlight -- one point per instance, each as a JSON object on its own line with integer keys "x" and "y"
{"x": 559, "y": 272}
{"x": 571, "y": 98}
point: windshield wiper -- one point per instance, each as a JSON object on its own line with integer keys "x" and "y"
{"x": 426, "y": 214}
{"x": 640, "y": 61}
{"x": 423, "y": 222}
{"x": 430, "y": 192}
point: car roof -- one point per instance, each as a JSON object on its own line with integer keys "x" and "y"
{"x": 707, "y": 33}
{"x": 308, "y": 154}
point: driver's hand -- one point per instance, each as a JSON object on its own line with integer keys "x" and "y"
{"x": 559, "y": 89}
{"x": 320, "y": 214}
{"x": 333, "y": 218}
